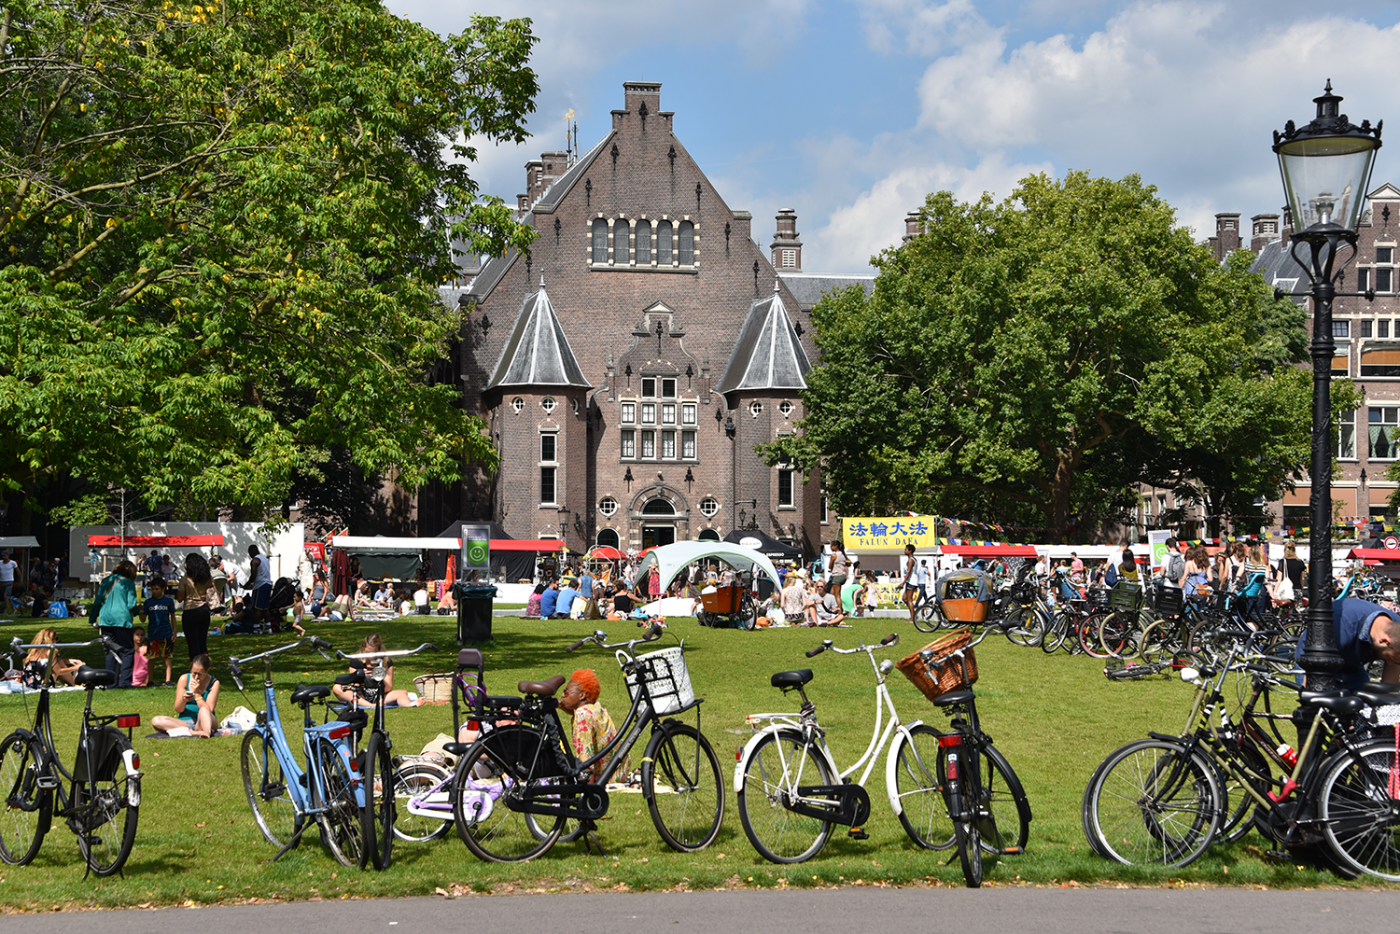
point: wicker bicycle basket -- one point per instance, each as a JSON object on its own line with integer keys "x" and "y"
{"x": 435, "y": 687}
{"x": 666, "y": 677}
{"x": 934, "y": 681}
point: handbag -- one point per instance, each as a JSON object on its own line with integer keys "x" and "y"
{"x": 1283, "y": 590}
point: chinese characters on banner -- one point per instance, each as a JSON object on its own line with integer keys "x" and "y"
{"x": 890, "y": 533}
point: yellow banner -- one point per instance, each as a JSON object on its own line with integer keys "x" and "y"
{"x": 890, "y": 533}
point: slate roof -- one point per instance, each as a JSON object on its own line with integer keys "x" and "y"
{"x": 538, "y": 353}
{"x": 1280, "y": 270}
{"x": 768, "y": 354}
{"x": 565, "y": 183}
{"x": 491, "y": 274}
{"x": 808, "y": 288}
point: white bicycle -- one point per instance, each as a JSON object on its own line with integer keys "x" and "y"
{"x": 792, "y": 794}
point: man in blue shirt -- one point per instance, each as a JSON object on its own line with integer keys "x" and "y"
{"x": 567, "y": 594}
{"x": 1365, "y": 632}
{"x": 549, "y": 600}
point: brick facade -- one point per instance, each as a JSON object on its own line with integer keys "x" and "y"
{"x": 649, "y": 328}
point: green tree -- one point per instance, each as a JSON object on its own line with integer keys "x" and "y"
{"x": 222, "y": 228}
{"x": 1032, "y": 360}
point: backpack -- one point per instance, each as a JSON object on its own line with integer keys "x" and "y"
{"x": 1175, "y": 565}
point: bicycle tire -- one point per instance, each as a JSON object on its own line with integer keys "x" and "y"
{"x": 919, "y": 789}
{"x": 1116, "y": 634}
{"x": 25, "y": 808}
{"x": 780, "y": 763}
{"x": 1151, "y": 803}
{"x": 412, "y": 780}
{"x": 377, "y": 816}
{"x": 266, "y": 787}
{"x": 1004, "y": 798}
{"x": 495, "y": 769}
{"x": 927, "y": 617}
{"x": 970, "y": 853}
{"x": 682, "y": 784}
{"x": 748, "y": 613}
{"x": 104, "y": 816}
{"x": 1088, "y": 634}
{"x": 1025, "y": 626}
{"x": 1055, "y": 633}
{"x": 1237, "y": 804}
{"x": 341, "y": 828}
{"x": 1357, "y": 812}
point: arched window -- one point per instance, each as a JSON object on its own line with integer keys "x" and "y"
{"x": 663, "y": 243}
{"x": 643, "y": 242}
{"x": 658, "y": 507}
{"x": 607, "y": 538}
{"x": 600, "y": 240}
{"x": 622, "y": 250}
{"x": 709, "y": 535}
{"x": 687, "y": 244}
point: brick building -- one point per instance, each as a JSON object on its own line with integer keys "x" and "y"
{"x": 628, "y": 364}
{"x": 1367, "y": 335}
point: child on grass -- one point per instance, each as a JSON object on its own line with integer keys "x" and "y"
{"x": 158, "y": 612}
{"x": 298, "y": 613}
{"x": 140, "y": 665}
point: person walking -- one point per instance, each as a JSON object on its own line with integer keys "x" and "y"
{"x": 839, "y": 568}
{"x": 114, "y": 620}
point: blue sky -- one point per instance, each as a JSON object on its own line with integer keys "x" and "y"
{"x": 851, "y": 112}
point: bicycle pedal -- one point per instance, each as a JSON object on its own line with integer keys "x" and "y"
{"x": 1012, "y": 851}
{"x": 856, "y": 833}
{"x": 47, "y": 782}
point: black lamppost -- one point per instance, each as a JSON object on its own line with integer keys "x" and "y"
{"x": 1326, "y": 168}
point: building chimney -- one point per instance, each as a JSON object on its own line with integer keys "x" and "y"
{"x": 1264, "y": 228}
{"x": 787, "y": 243}
{"x": 913, "y": 225}
{"x": 1227, "y": 235}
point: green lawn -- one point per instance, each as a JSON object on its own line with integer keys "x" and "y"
{"x": 1054, "y": 717}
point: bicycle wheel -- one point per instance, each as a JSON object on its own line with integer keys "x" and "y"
{"x": 919, "y": 788}
{"x": 429, "y": 783}
{"x": 266, "y": 786}
{"x": 377, "y": 816}
{"x": 491, "y": 781}
{"x": 782, "y": 763}
{"x": 104, "y": 814}
{"x": 1026, "y": 627}
{"x": 1359, "y": 816}
{"x": 1088, "y": 635}
{"x": 927, "y": 617}
{"x": 748, "y": 612}
{"x": 1055, "y": 633}
{"x": 1152, "y": 802}
{"x": 1237, "y": 804}
{"x": 681, "y": 780}
{"x": 970, "y": 853}
{"x": 1116, "y": 634}
{"x": 1004, "y": 800}
{"x": 341, "y": 829}
{"x": 25, "y": 808}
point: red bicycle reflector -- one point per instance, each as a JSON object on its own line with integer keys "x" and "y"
{"x": 136, "y": 762}
{"x": 354, "y": 765}
{"x": 953, "y": 740}
{"x": 339, "y": 732}
{"x": 474, "y": 725}
{"x": 127, "y": 721}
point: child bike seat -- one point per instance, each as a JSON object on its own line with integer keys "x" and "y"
{"x": 95, "y": 677}
{"x": 543, "y": 688}
{"x": 469, "y": 658}
{"x": 306, "y": 693}
{"x": 791, "y": 679}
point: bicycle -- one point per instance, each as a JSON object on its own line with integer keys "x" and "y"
{"x": 981, "y": 787}
{"x": 376, "y": 767}
{"x": 516, "y": 785}
{"x": 330, "y": 792}
{"x": 103, "y": 800}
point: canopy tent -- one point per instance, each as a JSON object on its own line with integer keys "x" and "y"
{"x": 672, "y": 559}
{"x": 512, "y": 559}
{"x": 993, "y": 550}
{"x": 11, "y": 542}
{"x": 764, "y": 544}
{"x": 605, "y": 553}
{"x": 155, "y": 541}
{"x": 1374, "y": 556}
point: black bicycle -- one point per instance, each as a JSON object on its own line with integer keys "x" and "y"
{"x": 101, "y": 802}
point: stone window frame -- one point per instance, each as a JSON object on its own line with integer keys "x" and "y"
{"x": 549, "y": 404}
{"x": 518, "y": 405}
{"x": 709, "y": 507}
{"x": 625, "y": 256}
{"x": 608, "y": 506}
{"x": 786, "y": 407}
{"x": 755, "y": 408}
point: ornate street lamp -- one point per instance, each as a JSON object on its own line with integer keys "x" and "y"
{"x": 1326, "y": 168}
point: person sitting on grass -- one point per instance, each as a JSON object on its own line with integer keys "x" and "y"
{"x": 826, "y": 608}
{"x": 593, "y": 726}
{"x": 35, "y": 665}
{"x": 196, "y": 699}
{"x": 367, "y": 694}
{"x": 532, "y": 604}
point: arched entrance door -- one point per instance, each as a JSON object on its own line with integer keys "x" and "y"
{"x": 656, "y": 531}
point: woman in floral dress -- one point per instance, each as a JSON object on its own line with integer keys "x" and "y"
{"x": 593, "y": 727}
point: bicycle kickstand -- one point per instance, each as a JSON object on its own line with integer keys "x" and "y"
{"x": 590, "y": 837}
{"x": 292, "y": 843}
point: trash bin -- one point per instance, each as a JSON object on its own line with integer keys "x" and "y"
{"x": 474, "y": 603}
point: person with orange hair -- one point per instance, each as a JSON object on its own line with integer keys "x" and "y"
{"x": 593, "y": 727}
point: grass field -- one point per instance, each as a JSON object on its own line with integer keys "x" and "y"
{"x": 1055, "y": 718}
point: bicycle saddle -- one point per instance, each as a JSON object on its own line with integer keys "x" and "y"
{"x": 791, "y": 679}
{"x": 95, "y": 677}
{"x": 306, "y": 693}
{"x": 1379, "y": 694}
{"x": 543, "y": 688}
{"x": 953, "y": 698}
{"x": 1335, "y": 702}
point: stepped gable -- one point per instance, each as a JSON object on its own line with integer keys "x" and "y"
{"x": 538, "y": 353}
{"x": 768, "y": 354}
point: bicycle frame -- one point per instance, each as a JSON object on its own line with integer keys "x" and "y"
{"x": 806, "y": 723}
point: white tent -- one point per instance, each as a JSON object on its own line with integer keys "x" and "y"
{"x": 673, "y": 558}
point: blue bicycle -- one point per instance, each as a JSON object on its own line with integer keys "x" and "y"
{"x": 330, "y": 792}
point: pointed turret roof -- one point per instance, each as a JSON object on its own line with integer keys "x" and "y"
{"x": 538, "y": 353}
{"x": 768, "y": 354}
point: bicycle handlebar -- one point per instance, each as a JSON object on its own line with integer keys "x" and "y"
{"x": 891, "y": 639}
{"x": 385, "y": 653}
{"x": 599, "y": 638}
{"x": 817, "y": 651}
{"x": 17, "y": 645}
{"x": 315, "y": 641}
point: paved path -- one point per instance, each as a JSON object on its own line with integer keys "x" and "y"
{"x": 829, "y": 911}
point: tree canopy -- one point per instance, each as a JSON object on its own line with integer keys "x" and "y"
{"x": 1030, "y": 361}
{"x": 222, "y": 231}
